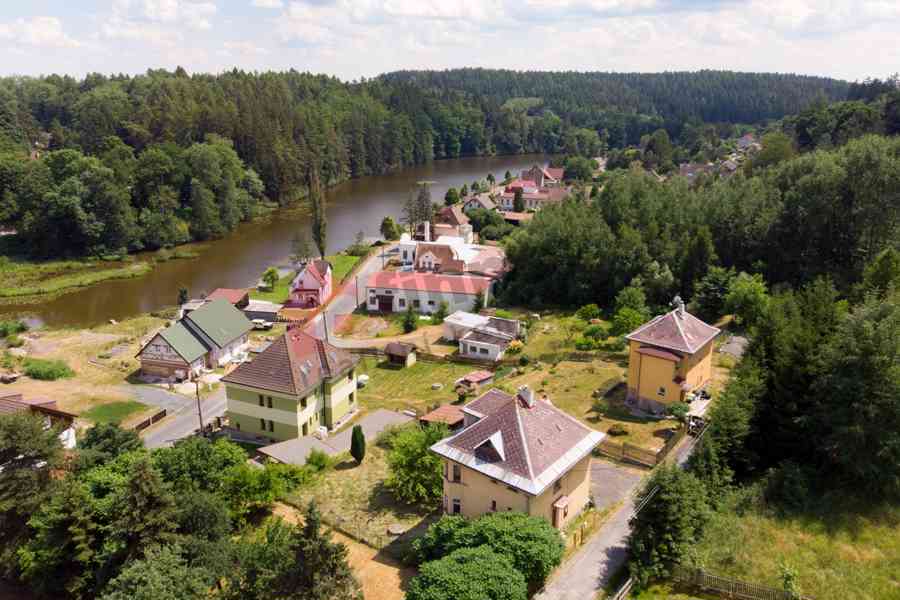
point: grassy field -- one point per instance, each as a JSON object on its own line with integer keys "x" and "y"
{"x": 399, "y": 389}
{"x": 342, "y": 265}
{"x": 114, "y": 412}
{"x": 844, "y": 551}
{"x": 353, "y": 499}
{"x": 102, "y": 357}
{"x": 21, "y": 279}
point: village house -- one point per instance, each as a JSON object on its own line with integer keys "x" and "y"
{"x": 447, "y": 414}
{"x": 293, "y": 388}
{"x": 669, "y": 358}
{"x": 692, "y": 171}
{"x": 311, "y": 287}
{"x": 64, "y": 421}
{"x": 544, "y": 177}
{"x": 475, "y": 380}
{"x": 479, "y": 201}
{"x": 517, "y": 453}
{"x": 210, "y": 336}
{"x": 396, "y": 291}
{"x": 400, "y": 355}
{"x": 747, "y": 143}
{"x": 454, "y": 255}
{"x": 452, "y": 221}
{"x": 480, "y": 337}
{"x": 532, "y": 198}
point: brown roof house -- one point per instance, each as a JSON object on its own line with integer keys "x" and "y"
{"x": 517, "y": 453}
{"x": 452, "y": 221}
{"x": 669, "y": 358}
{"x": 398, "y": 353}
{"x": 292, "y": 388}
{"x": 449, "y": 414}
{"x": 53, "y": 416}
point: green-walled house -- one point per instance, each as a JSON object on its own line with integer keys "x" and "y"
{"x": 295, "y": 386}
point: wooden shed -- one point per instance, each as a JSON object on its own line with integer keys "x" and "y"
{"x": 403, "y": 355}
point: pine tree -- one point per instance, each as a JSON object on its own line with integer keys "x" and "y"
{"x": 358, "y": 444}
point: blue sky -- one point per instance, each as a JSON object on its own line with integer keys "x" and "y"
{"x": 362, "y": 38}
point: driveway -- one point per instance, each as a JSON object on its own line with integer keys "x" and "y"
{"x": 181, "y": 418}
{"x": 296, "y": 451}
{"x": 610, "y": 483}
{"x": 592, "y": 567}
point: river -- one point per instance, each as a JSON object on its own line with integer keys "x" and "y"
{"x": 238, "y": 260}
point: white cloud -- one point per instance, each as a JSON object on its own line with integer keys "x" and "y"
{"x": 267, "y": 3}
{"x": 243, "y": 49}
{"x": 44, "y": 32}
{"x": 117, "y": 28}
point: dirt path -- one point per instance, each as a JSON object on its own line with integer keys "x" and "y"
{"x": 381, "y": 577}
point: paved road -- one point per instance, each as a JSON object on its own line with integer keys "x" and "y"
{"x": 591, "y": 568}
{"x": 181, "y": 418}
{"x": 349, "y": 297}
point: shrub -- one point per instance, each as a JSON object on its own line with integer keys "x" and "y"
{"x": 358, "y": 444}
{"x": 627, "y": 320}
{"x": 8, "y": 328}
{"x": 515, "y": 347}
{"x": 531, "y": 543}
{"x": 588, "y": 312}
{"x": 14, "y": 341}
{"x": 679, "y": 410}
{"x": 440, "y": 314}
{"x": 524, "y": 360}
{"x": 469, "y": 573}
{"x": 504, "y": 314}
{"x": 596, "y": 332}
{"x": 617, "y": 429}
{"x": 415, "y": 471}
{"x": 47, "y": 370}
{"x": 586, "y": 344}
{"x": 318, "y": 460}
{"x": 410, "y": 321}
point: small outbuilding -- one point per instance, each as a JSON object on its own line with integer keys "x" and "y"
{"x": 476, "y": 379}
{"x": 449, "y": 414}
{"x": 398, "y": 353}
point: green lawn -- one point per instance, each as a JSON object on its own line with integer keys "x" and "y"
{"x": 844, "y": 550}
{"x": 279, "y": 294}
{"x": 342, "y": 265}
{"x": 399, "y": 389}
{"x": 114, "y": 412}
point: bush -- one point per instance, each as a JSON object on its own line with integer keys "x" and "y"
{"x": 515, "y": 347}
{"x": 586, "y": 344}
{"x": 588, "y": 312}
{"x": 679, "y": 410}
{"x": 504, "y": 314}
{"x": 410, "y": 321}
{"x": 440, "y": 314}
{"x": 318, "y": 460}
{"x": 627, "y": 320}
{"x": 47, "y": 370}
{"x": 524, "y": 360}
{"x": 8, "y": 328}
{"x": 617, "y": 429}
{"x": 358, "y": 444}
{"x": 14, "y": 341}
{"x": 469, "y": 574}
{"x": 531, "y": 543}
{"x": 415, "y": 471}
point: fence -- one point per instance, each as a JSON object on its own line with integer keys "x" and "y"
{"x": 148, "y": 422}
{"x": 731, "y": 588}
{"x": 626, "y": 452}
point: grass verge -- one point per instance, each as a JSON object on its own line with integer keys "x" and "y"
{"x": 23, "y": 280}
{"x": 114, "y": 412}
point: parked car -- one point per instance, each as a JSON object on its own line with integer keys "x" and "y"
{"x": 262, "y": 324}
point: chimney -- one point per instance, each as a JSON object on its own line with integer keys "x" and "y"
{"x": 526, "y": 395}
{"x": 679, "y": 306}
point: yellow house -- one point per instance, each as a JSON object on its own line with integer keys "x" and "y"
{"x": 517, "y": 453}
{"x": 668, "y": 358}
{"x": 296, "y": 385}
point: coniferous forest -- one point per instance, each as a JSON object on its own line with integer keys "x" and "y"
{"x": 107, "y": 164}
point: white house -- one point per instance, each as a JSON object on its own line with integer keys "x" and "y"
{"x": 481, "y": 337}
{"x": 396, "y": 291}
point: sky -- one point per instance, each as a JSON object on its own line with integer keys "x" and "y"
{"x": 848, "y": 39}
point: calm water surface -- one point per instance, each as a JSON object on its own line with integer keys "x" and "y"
{"x": 239, "y": 259}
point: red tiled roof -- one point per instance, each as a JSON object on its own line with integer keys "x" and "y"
{"x": 531, "y": 439}
{"x": 293, "y": 364}
{"x": 230, "y": 295}
{"x": 429, "y": 282}
{"x": 676, "y": 330}
{"x": 447, "y": 413}
{"x": 478, "y": 376}
{"x": 318, "y": 269}
{"x": 453, "y": 215}
{"x": 555, "y": 173}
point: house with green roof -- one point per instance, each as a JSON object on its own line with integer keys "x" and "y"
{"x": 208, "y": 337}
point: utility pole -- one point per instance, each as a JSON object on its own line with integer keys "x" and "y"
{"x": 199, "y": 409}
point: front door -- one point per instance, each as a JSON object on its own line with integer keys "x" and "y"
{"x": 385, "y": 304}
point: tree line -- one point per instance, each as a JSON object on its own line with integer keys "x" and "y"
{"x": 158, "y": 159}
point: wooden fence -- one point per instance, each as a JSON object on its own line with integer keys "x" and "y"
{"x": 626, "y": 452}
{"x": 148, "y": 422}
{"x": 731, "y": 588}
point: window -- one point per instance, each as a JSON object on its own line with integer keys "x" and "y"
{"x": 303, "y": 402}
{"x": 446, "y": 468}
{"x": 493, "y": 506}
{"x": 388, "y": 292}
{"x": 457, "y": 474}
{"x": 482, "y": 351}
{"x": 271, "y": 425}
{"x": 457, "y": 508}
{"x": 402, "y": 302}
{"x": 350, "y": 375}
{"x": 557, "y": 485}
{"x": 261, "y": 400}
{"x": 431, "y": 303}
{"x": 416, "y": 304}
{"x": 262, "y": 424}
{"x": 237, "y": 426}
{"x": 269, "y": 401}
{"x": 373, "y": 300}
{"x": 661, "y": 392}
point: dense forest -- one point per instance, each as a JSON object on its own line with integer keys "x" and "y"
{"x": 106, "y": 164}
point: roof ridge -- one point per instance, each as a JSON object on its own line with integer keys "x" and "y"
{"x": 523, "y": 439}
{"x": 323, "y": 358}
{"x": 677, "y": 318}
{"x": 290, "y": 355}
